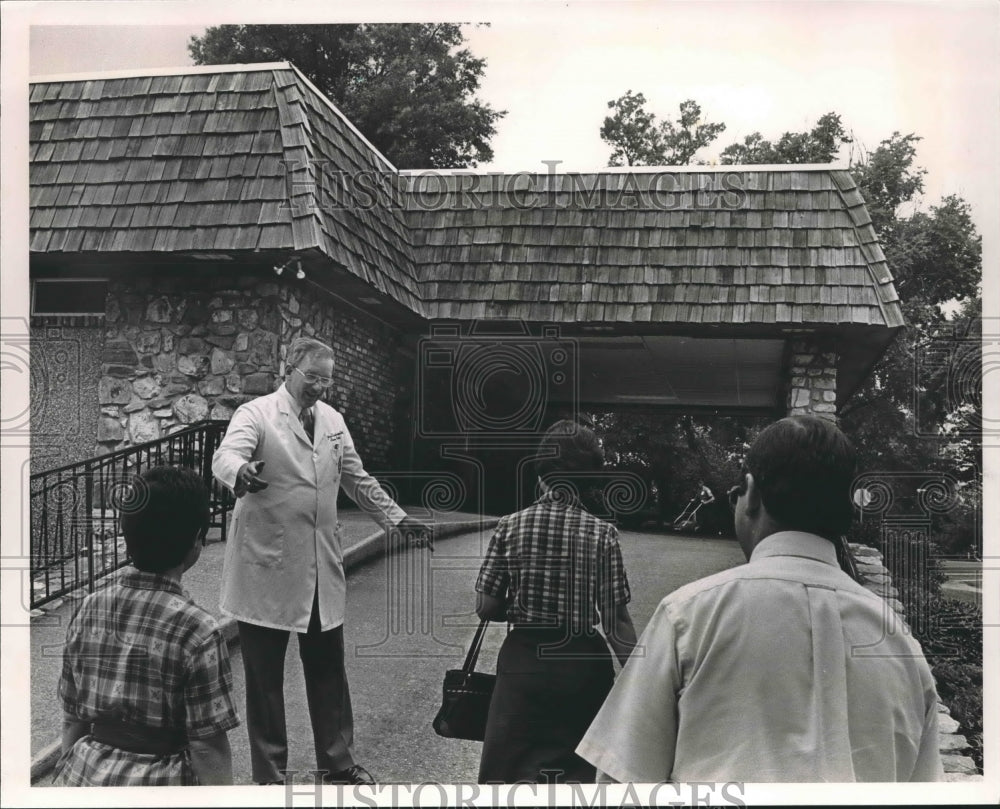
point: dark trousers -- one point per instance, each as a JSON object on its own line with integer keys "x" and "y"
{"x": 322, "y": 655}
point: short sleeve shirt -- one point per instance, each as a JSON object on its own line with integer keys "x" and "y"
{"x": 783, "y": 669}
{"x": 559, "y": 564}
{"x": 141, "y": 651}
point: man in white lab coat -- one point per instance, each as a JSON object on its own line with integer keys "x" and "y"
{"x": 286, "y": 455}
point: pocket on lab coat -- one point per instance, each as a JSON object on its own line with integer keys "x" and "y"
{"x": 263, "y": 543}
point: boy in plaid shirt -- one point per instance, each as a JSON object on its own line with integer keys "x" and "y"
{"x": 146, "y": 686}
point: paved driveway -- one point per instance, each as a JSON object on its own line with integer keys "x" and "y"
{"x": 410, "y": 618}
{"x": 399, "y": 649}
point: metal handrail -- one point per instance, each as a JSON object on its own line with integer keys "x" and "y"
{"x": 73, "y": 512}
{"x": 193, "y": 429}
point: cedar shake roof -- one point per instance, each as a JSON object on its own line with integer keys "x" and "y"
{"x": 253, "y": 159}
{"x": 244, "y": 159}
{"x": 743, "y": 245}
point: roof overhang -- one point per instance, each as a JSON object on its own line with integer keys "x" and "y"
{"x": 729, "y": 369}
{"x": 681, "y": 372}
{"x": 319, "y": 272}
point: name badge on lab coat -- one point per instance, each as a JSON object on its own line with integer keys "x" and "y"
{"x": 335, "y": 441}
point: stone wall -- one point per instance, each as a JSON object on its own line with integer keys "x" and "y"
{"x": 875, "y": 577}
{"x": 180, "y": 347}
{"x": 370, "y": 374}
{"x": 65, "y": 363}
{"x": 812, "y": 380}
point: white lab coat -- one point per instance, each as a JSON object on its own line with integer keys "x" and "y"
{"x": 284, "y": 541}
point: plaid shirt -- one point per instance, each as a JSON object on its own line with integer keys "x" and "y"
{"x": 141, "y": 651}
{"x": 559, "y": 563}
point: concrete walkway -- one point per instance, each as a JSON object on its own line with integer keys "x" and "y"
{"x": 363, "y": 541}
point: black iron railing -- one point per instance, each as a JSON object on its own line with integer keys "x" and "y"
{"x": 75, "y": 528}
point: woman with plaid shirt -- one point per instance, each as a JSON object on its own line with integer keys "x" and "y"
{"x": 553, "y": 571}
{"x": 146, "y": 686}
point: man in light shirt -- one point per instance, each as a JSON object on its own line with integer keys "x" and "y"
{"x": 286, "y": 455}
{"x": 783, "y": 669}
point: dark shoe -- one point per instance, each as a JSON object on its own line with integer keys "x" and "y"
{"x": 355, "y": 775}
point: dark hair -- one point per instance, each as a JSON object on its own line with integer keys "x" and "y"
{"x": 803, "y": 467}
{"x": 164, "y": 515}
{"x": 568, "y": 447}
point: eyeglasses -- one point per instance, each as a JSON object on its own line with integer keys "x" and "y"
{"x": 736, "y": 492}
{"x": 312, "y": 379}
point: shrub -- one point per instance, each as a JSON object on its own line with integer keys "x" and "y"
{"x": 909, "y": 555}
{"x": 954, "y": 631}
{"x": 960, "y": 687}
{"x": 952, "y": 639}
{"x": 960, "y": 530}
{"x": 867, "y": 533}
{"x": 950, "y": 631}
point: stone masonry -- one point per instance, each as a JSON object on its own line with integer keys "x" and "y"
{"x": 65, "y": 367}
{"x": 813, "y": 380}
{"x": 180, "y": 348}
{"x": 876, "y": 577}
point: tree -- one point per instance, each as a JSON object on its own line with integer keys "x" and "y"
{"x": 675, "y": 452}
{"x": 898, "y": 416}
{"x": 819, "y": 145}
{"x": 639, "y": 140}
{"x": 632, "y": 132}
{"x": 888, "y": 179}
{"x": 936, "y": 256}
{"x": 908, "y": 415}
{"x": 408, "y": 87}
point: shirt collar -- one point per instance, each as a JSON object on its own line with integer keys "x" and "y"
{"x": 796, "y": 543}
{"x": 291, "y": 405}
{"x": 144, "y": 580}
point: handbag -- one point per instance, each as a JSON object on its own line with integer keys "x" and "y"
{"x": 465, "y": 703}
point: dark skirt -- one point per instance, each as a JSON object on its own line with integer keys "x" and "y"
{"x": 549, "y": 688}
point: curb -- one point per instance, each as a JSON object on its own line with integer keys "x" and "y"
{"x": 355, "y": 556}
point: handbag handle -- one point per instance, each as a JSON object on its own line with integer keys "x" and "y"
{"x": 477, "y": 642}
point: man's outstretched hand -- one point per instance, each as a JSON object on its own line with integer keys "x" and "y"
{"x": 414, "y": 532}
{"x": 247, "y": 479}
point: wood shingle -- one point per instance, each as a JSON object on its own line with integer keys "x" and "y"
{"x": 257, "y": 159}
{"x": 769, "y": 245}
{"x": 134, "y": 163}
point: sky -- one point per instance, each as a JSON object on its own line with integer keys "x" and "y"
{"x": 930, "y": 68}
